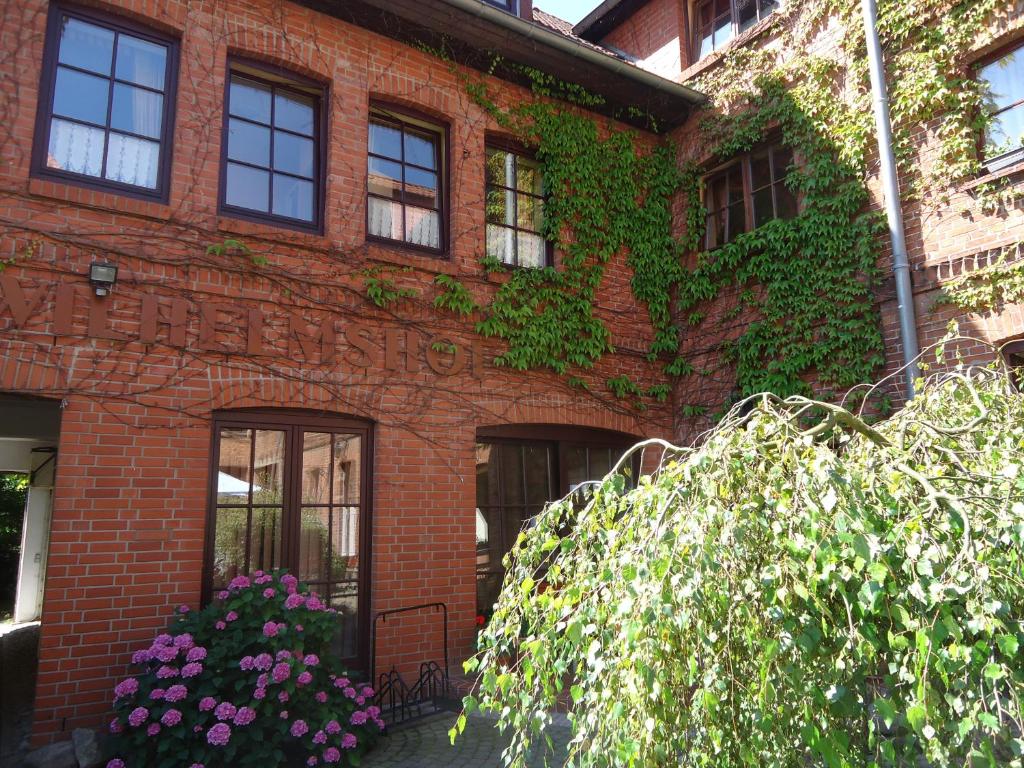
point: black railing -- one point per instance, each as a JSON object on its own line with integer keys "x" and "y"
{"x": 397, "y": 700}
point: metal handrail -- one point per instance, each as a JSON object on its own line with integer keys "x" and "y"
{"x": 382, "y": 616}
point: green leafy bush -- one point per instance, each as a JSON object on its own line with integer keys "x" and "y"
{"x": 800, "y": 589}
{"x": 250, "y": 680}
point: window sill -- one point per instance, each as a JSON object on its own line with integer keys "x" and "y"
{"x": 746, "y": 36}
{"x": 69, "y": 192}
{"x": 399, "y": 255}
{"x": 285, "y": 236}
{"x": 1015, "y": 169}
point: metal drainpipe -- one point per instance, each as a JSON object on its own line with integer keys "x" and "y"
{"x": 891, "y": 191}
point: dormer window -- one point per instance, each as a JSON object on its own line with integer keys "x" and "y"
{"x": 719, "y": 21}
{"x": 505, "y": 5}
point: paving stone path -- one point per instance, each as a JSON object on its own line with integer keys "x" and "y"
{"x": 426, "y": 745}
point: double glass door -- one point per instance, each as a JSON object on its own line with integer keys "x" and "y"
{"x": 292, "y": 491}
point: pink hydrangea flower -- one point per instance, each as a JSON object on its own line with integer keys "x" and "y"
{"x": 138, "y": 716}
{"x": 333, "y": 727}
{"x": 115, "y": 726}
{"x": 314, "y": 603}
{"x": 298, "y": 627}
{"x": 269, "y": 593}
{"x": 230, "y": 616}
{"x": 163, "y": 639}
{"x": 373, "y": 711}
{"x": 342, "y": 682}
{"x": 126, "y": 687}
{"x": 360, "y": 700}
{"x": 283, "y": 696}
{"x": 166, "y": 653}
{"x": 283, "y": 655}
{"x": 220, "y": 625}
{"x": 171, "y": 718}
{"x": 246, "y": 663}
{"x": 283, "y": 714}
{"x": 263, "y": 680}
{"x": 332, "y": 755}
{"x": 225, "y": 710}
{"x": 153, "y": 729}
{"x": 183, "y": 641}
{"x": 348, "y": 741}
{"x": 263, "y": 579}
{"x": 166, "y": 672}
{"x": 223, "y": 595}
{"x": 259, "y": 693}
{"x": 270, "y": 629}
{"x": 263, "y": 662}
{"x": 281, "y": 672}
{"x": 117, "y": 762}
{"x": 358, "y": 718}
{"x": 191, "y": 669}
{"x": 198, "y": 653}
{"x": 350, "y": 692}
{"x": 239, "y": 582}
{"x": 367, "y": 691}
{"x": 294, "y": 601}
{"x": 311, "y": 660}
{"x": 197, "y": 765}
{"x": 290, "y": 582}
{"x": 319, "y": 737}
{"x": 183, "y": 608}
{"x": 311, "y": 760}
{"x": 321, "y": 697}
{"x": 244, "y": 716}
{"x": 141, "y": 657}
{"x": 207, "y": 703}
{"x": 197, "y": 729}
{"x": 299, "y": 728}
{"x": 304, "y": 678}
{"x": 258, "y": 573}
{"x": 219, "y": 735}
{"x": 176, "y": 693}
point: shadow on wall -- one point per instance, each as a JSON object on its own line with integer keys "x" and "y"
{"x": 19, "y": 654}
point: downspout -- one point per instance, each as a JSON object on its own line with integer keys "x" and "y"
{"x": 891, "y": 193}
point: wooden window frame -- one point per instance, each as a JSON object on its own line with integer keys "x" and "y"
{"x": 734, "y": 21}
{"x": 744, "y": 162}
{"x": 1014, "y": 156}
{"x": 278, "y": 79}
{"x": 47, "y": 92}
{"x": 516, "y": 150}
{"x": 294, "y": 422}
{"x": 504, "y": 5}
{"x": 402, "y": 116}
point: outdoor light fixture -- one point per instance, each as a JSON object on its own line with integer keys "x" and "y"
{"x": 102, "y": 276}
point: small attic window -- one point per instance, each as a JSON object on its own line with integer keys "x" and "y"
{"x": 505, "y": 5}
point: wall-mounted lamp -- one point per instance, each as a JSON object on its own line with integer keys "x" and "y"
{"x": 102, "y": 276}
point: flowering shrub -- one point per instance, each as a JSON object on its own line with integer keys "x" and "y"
{"x": 249, "y": 681}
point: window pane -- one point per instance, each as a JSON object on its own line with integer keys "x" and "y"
{"x": 265, "y": 540}
{"x": 422, "y": 227}
{"x": 500, "y": 167}
{"x": 347, "y": 460}
{"x": 715, "y": 234}
{"x": 313, "y": 544}
{"x": 500, "y": 206}
{"x": 293, "y": 154}
{"x": 346, "y": 641}
{"x": 419, "y": 148}
{"x": 485, "y": 470}
{"x": 294, "y": 112}
{"x": 133, "y": 161}
{"x": 249, "y": 99}
{"x": 576, "y": 466}
{"x": 736, "y": 184}
{"x": 768, "y": 7}
{"x": 782, "y": 158}
{"x": 600, "y": 463}
{"x": 248, "y": 142}
{"x": 537, "y": 466}
{"x": 316, "y": 467}
{"x": 86, "y": 46}
{"x": 137, "y": 111}
{"x": 1005, "y": 132}
{"x": 717, "y": 192}
{"x": 500, "y": 243}
{"x": 268, "y": 474}
{"x": 763, "y": 210}
{"x": 785, "y": 202}
{"x": 511, "y": 457}
{"x": 1003, "y": 81}
{"x": 345, "y": 544}
{"x": 760, "y": 171}
{"x": 723, "y": 31}
{"x": 747, "y": 10}
{"x": 532, "y": 250}
{"x": 233, "y": 471}
{"x": 530, "y": 213}
{"x": 293, "y": 197}
{"x": 737, "y": 220}
{"x": 81, "y": 96}
{"x": 707, "y": 43}
{"x": 247, "y": 188}
{"x": 385, "y": 218}
{"x": 229, "y": 544}
{"x": 140, "y": 61}
{"x": 75, "y": 147}
{"x": 421, "y": 187}
{"x": 528, "y": 177}
{"x": 385, "y": 178}
{"x": 385, "y": 140}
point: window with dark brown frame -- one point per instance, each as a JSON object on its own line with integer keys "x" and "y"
{"x": 517, "y": 476}
{"x": 272, "y": 148}
{"x": 505, "y": 5}
{"x": 106, "y": 103}
{"x": 292, "y": 490}
{"x": 748, "y": 192}
{"x": 1013, "y": 356}
{"x": 1002, "y": 88}
{"x": 406, "y": 180}
{"x": 514, "y": 207}
{"x": 716, "y": 22}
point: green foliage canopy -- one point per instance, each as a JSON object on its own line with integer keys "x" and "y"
{"x": 799, "y": 589}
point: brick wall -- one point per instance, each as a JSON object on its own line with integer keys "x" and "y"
{"x": 652, "y": 35}
{"x": 129, "y": 514}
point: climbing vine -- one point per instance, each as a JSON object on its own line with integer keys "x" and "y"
{"x": 991, "y": 287}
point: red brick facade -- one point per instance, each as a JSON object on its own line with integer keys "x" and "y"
{"x": 139, "y": 385}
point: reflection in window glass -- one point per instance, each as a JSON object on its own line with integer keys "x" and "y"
{"x": 1002, "y": 85}
{"x": 514, "y": 209}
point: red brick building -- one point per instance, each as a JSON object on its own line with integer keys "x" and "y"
{"x": 234, "y": 396}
